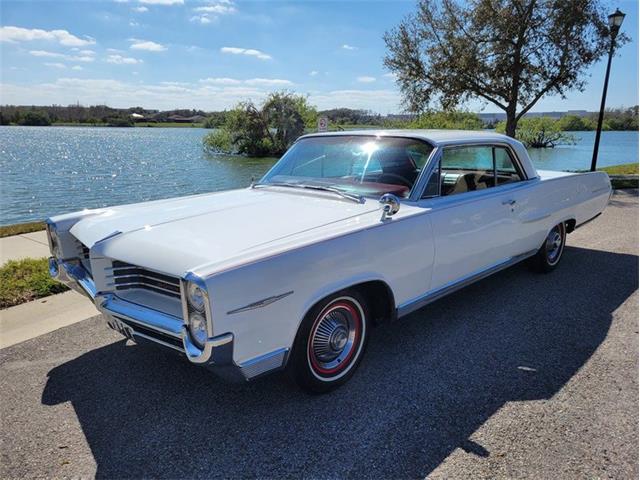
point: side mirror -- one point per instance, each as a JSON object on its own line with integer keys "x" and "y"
{"x": 389, "y": 204}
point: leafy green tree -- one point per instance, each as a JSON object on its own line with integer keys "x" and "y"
{"x": 539, "y": 132}
{"x": 510, "y": 53}
{"x": 448, "y": 120}
{"x": 572, "y": 123}
{"x": 268, "y": 130}
{"x": 35, "y": 118}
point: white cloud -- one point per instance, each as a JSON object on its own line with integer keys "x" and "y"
{"x": 114, "y": 50}
{"x": 349, "y": 47}
{"x": 366, "y": 79}
{"x": 201, "y": 19}
{"x": 264, "y": 82}
{"x": 381, "y": 101}
{"x": 392, "y": 76}
{"x": 18, "y": 34}
{"x": 146, "y": 45}
{"x": 221, "y": 81}
{"x": 84, "y": 55}
{"x": 44, "y": 53}
{"x": 133, "y": 23}
{"x": 246, "y": 51}
{"x": 218, "y": 9}
{"x": 214, "y": 95}
{"x": 140, "y": 9}
{"x": 77, "y": 67}
{"x": 162, "y": 2}
{"x": 313, "y": 73}
{"x": 120, "y": 60}
{"x": 56, "y": 65}
{"x": 269, "y": 82}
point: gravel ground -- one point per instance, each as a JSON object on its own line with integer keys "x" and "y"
{"x": 520, "y": 375}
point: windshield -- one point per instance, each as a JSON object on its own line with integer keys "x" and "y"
{"x": 364, "y": 165}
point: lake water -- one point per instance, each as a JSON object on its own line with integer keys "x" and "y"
{"x": 49, "y": 170}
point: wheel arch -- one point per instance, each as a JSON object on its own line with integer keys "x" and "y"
{"x": 376, "y": 291}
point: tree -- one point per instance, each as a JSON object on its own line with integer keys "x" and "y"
{"x": 509, "y": 53}
{"x": 448, "y": 120}
{"x": 35, "y": 118}
{"x": 572, "y": 123}
{"x": 539, "y": 132}
{"x": 268, "y": 130}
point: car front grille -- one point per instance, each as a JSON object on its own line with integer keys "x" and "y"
{"x": 125, "y": 276}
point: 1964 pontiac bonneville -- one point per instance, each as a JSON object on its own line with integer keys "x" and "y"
{"x": 347, "y": 230}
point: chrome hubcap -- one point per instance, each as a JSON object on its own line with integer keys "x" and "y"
{"x": 334, "y": 338}
{"x": 554, "y": 245}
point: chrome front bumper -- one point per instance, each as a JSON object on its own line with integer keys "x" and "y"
{"x": 145, "y": 325}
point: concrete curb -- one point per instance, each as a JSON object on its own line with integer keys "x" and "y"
{"x": 45, "y": 315}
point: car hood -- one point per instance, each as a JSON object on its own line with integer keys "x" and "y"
{"x": 219, "y": 229}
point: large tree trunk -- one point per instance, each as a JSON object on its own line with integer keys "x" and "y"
{"x": 510, "y": 128}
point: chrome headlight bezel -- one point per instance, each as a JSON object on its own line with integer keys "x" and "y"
{"x": 196, "y": 309}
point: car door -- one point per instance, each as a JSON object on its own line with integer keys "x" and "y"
{"x": 472, "y": 213}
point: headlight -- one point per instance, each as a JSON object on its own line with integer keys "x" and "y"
{"x": 196, "y": 297}
{"x": 198, "y": 328}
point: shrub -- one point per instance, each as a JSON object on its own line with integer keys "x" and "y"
{"x": 25, "y": 280}
{"x": 448, "y": 120}
{"x": 539, "y": 132}
{"x": 34, "y": 118}
{"x": 264, "y": 131}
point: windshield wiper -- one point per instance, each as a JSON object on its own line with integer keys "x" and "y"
{"x": 324, "y": 188}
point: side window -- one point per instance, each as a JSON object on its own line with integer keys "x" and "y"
{"x": 467, "y": 169}
{"x": 506, "y": 171}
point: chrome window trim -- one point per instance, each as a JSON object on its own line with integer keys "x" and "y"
{"x": 522, "y": 173}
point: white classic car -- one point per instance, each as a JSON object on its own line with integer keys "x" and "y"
{"x": 347, "y": 230}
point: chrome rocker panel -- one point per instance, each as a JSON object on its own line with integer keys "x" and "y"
{"x": 147, "y": 326}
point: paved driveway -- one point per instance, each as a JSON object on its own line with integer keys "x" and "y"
{"x": 520, "y": 375}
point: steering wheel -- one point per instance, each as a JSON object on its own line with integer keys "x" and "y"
{"x": 395, "y": 179}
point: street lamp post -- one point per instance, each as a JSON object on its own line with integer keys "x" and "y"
{"x": 615, "y": 20}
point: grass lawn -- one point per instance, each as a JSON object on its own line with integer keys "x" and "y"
{"x": 25, "y": 280}
{"x": 626, "y": 169}
{"x": 19, "y": 228}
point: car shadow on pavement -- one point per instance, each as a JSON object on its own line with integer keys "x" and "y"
{"x": 426, "y": 384}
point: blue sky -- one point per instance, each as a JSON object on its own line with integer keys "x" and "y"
{"x": 211, "y": 54}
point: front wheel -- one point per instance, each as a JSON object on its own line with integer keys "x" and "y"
{"x": 548, "y": 256}
{"x": 330, "y": 342}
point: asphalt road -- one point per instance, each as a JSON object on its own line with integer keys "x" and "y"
{"x": 520, "y": 375}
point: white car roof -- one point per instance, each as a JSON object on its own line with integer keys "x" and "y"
{"x": 436, "y": 137}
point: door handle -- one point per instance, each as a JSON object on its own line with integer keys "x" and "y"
{"x": 509, "y": 202}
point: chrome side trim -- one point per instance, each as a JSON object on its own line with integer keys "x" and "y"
{"x": 264, "y": 363}
{"x": 433, "y": 295}
{"x": 260, "y": 303}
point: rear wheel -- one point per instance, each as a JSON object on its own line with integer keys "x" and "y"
{"x": 330, "y": 342}
{"x": 548, "y": 256}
